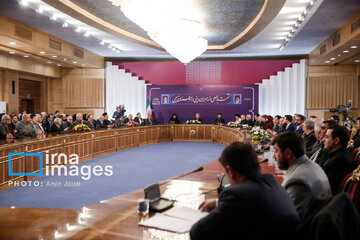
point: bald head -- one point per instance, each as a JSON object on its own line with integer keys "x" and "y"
{"x": 5, "y": 119}
{"x": 26, "y": 118}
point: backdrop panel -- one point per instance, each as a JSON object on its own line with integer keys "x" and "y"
{"x": 208, "y": 100}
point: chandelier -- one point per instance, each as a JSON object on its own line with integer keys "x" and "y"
{"x": 173, "y": 24}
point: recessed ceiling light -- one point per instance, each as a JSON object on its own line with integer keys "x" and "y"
{"x": 59, "y": 65}
{"x": 65, "y": 25}
{"x": 40, "y": 10}
{"x": 54, "y": 56}
{"x": 83, "y": 64}
{"x": 53, "y": 17}
{"x": 353, "y": 47}
{"x": 86, "y": 34}
{"x": 339, "y": 55}
{"x": 332, "y": 58}
{"x": 327, "y": 61}
{"x": 74, "y": 62}
{"x": 101, "y": 42}
{"x": 77, "y": 29}
{"x": 65, "y": 59}
{"x": 26, "y": 56}
{"x": 357, "y": 60}
{"x": 345, "y": 51}
{"x": 12, "y": 52}
{"x": 12, "y": 43}
{"x": 49, "y": 62}
{"x": 42, "y": 52}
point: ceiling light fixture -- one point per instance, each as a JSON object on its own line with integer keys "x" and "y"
{"x": 12, "y": 43}
{"x": 65, "y": 25}
{"x": 12, "y": 52}
{"x": 327, "y": 61}
{"x": 174, "y": 25}
{"x": 54, "y": 56}
{"x": 345, "y": 51}
{"x": 86, "y": 34}
{"x": 26, "y": 56}
{"x": 102, "y": 42}
{"x": 49, "y": 62}
{"x": 59, "y": 65}
{"x": 42, "y": 52}
{"x": 357, "y": 60}
{"x": 75, "y": 62}
{"x": 78, "y": 29}
{"x": 353, "y": 47}
{"x": 298, "y": 23}
{"x": 332, "y": 59}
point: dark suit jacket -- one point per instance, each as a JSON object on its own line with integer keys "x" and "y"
{"x": 291, "y": 128}
{"x": 299, "y": 129}
{"x": 259, "y": 208}
{"x": 90, "y": 124}
{"x": 149, "y": 122}
{"x": 101, "y": 124}
{"x": 310, "y": 140}
{"x": 136, "y": 119}
{"x": 356, "y": 139}
{"x": 336, "y": 166}
{"x": 54, "y": 128}
{"x": 200, "y": 120}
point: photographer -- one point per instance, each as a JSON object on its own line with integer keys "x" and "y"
{"x": 117, "y": 114}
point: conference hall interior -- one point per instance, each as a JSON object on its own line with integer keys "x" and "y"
{"x": 180, "y": 119}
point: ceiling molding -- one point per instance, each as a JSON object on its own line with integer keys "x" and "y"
{"x": 268, "y": 12}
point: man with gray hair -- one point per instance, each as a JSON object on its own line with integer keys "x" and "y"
{"x": 79, "y": 119}
{"x": 309, "y": 134}
{"x": 25, "y": 127}
{"x": 5, "y": 131}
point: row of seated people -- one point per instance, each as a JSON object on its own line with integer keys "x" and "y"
{"x": 307, "y": 205}
{"x": 32, "y": 125}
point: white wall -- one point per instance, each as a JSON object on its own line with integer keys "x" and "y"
{"x": 123, "y": 88}
{"x": 285, "y": 92}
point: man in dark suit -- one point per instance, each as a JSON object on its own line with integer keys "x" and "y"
{"x": 197, "y": 118}
{"x": 338, "y": 162}
{"x": 139, "y": 119}
{"x": 149, "y": 121}
{"x": 309, "y": 134}
{"x": 79, "y": 120}
{"x": 299, "y": 120}
{"x": 290, "y": 126}
{"x": 255, "y": 206}
{"x": 101, "y": 123}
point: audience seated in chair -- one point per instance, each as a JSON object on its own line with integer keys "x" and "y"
{"x": 254, "y": 207}
{"x": 309, "y": 134}
{"x": 25, "y": 127}
{"x": 290, "y": 126}
{"x": 304, "y": 179}
{"x": 299, "y": 121}
{"x": 101, "y": 124}
{"x": 338, "y": 162}
{"x": 79, "y": 119}
{"x": 139, "y": 119}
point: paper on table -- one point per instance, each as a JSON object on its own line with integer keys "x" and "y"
{"x": 179, "y": 220}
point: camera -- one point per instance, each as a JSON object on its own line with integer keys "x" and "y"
{"x": 122, "y": 110}
{"x": 344, "y": 110}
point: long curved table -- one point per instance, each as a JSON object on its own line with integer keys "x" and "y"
{"x": 114, "y": 218}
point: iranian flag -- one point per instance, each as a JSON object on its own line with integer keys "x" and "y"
{"x": 148, "y": 109}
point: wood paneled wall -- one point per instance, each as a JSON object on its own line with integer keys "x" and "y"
{"x": 84, "y": 91}
{"x": 30, "y": 90}
{"x": 331, "y": 91}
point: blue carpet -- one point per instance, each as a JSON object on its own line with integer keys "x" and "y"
{"x": 133, "y": 169}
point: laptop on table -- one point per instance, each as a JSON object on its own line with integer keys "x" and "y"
{"x": 157, "y": 203}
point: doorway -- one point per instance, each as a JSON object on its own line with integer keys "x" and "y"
{"x": 29, "y": 96}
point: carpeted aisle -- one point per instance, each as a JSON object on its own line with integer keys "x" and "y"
{"x": 133, "y": 169}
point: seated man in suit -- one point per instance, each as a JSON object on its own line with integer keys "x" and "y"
{"x": 149, "y": 121}
{"x": 5, "y": 131}
{"x": 255, "y": 206}
{"x": 290, "y": 126}
{"x": 197, "y": 117}
{"x": 69, "y": 122}
{"x": 120, "y": 122}
{"x": 79, "y": 119}
{"x": 139, "y": 119}
{"x": 25, "y": 127}
{"x": 106, "y": 118}
{"x": 57, "y": 127}
{"x": 101, "y": 123}
{"x": 338, "y": 162}
{"x": 299, "y": 120}
{"x": 309, "y": 134}
{"x": 304, "y": 179}
{"x": 90, "y": 122}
